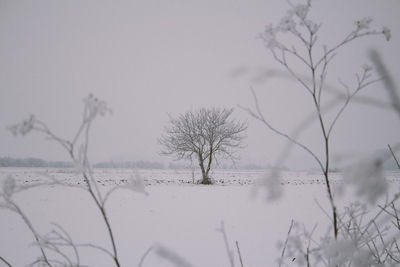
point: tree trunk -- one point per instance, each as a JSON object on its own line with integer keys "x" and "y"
{"x": 209, "y": 163}
{"x": 204, "y": 173}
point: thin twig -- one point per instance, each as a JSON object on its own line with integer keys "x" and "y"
{"x": 240, "y": 255}
{"x": 286, "y": 241}
{"x": 394, "y": 156}
{"x": 228, "y": 250}
{"x": 388, "y": 81}
{"x": 144, "y": 256}
{"x": 259, "y": 116}
{"x": 6, "y": 262}
{"x": 28, "y": 223}
{"x": 68, "y": 239}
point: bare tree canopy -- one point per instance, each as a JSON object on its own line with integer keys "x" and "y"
{"x": 206, "y": 134}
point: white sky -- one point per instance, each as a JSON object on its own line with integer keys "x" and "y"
{"x": 149, "y": 58}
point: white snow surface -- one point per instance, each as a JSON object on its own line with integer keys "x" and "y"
{"x": 177, "y": 214}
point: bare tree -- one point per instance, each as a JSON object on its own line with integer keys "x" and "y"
{"x": 207, "y": 133}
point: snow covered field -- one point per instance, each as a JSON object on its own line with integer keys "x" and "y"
{"x": 175, "y": 213}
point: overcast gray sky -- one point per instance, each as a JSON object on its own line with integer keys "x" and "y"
{"x": 149, "y": 58}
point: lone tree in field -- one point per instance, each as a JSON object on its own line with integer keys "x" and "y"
{"x": 206, "y": 134}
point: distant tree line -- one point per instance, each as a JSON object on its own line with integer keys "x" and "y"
{"x": 33, "y": 163}
{"x": 130, "y": 165}
{"x": 41, "y": 163}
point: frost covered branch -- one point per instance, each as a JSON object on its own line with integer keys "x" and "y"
{"x": 394, "y": 156}
{"x": 171, "y": 256}
{"x": 281, "y": 260}
{"x": 144, "y": 256}
{"x": 9, "y": 187}
{"x": 239, "y": 254}
{"x": 229, "y": 251}
{"x": 5, "y": 261}
{"x": 93, "y": 107}
{"x": 296, "y": 24}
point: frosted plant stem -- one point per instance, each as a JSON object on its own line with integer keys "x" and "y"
{"x": 240, "y": 255}
{"x": 394, "y": 156}
{"x": 144, "y": 256}
{"x": 6, "y": 262}
{"x": 228, "y": 250}
{"x": 317, "y": 102}
{"x": 97, "y": 199}
{"x": 388, "y": 81}
{"x": 286, "y": 241}
{"x": 33, "y": 231}
{"x": 93, "y": 108}
{"x": 106, "y": 220}
{"x": 92, "y": 182}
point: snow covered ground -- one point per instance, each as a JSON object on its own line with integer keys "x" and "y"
{"x": 176, "y": 214}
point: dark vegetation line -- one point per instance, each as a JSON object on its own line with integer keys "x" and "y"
{"x": 40, "y": 163}
{"x": 32, "y": 162}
